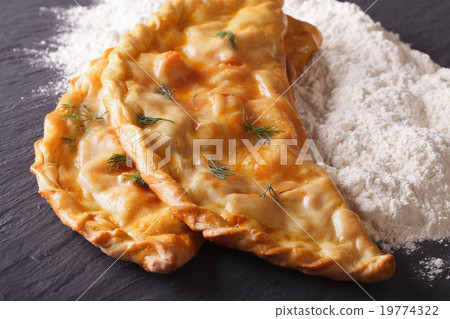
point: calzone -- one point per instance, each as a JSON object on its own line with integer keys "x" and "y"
{"x": 200, "y": 100}
{"x": 102, "y": 199}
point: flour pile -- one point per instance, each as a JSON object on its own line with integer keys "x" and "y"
{"x": 379, "y": 114}
{"x": 377, "y": 110}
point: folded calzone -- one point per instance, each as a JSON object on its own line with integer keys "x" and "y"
{"x": 83, "y": 172}
{"x": 206, "y": 83}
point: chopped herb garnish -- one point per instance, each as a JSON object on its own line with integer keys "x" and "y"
{"x": 84, "y": 118}
{"x": 71, "y": 106}
{"x": 218, "y": 169}
{"x": 117, "y": 161}
{"x": 230, "y": 37}
{"x": 261, "y": 132}
{"x": 135, "y": 179}
{"x": 73, "y": 116}
{"x": 71, "y": 141}
{"x": 141, "y": 119}
{"x": 164, "y": 90}
{"x": 272, "y": 194}
{"x": 194, "y": 98}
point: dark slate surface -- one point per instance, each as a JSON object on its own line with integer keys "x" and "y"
{"x": 44, "y": 260}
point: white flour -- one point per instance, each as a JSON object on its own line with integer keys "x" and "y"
{"x": 380, "y": 116}
{"x": 80, "y": 39}
{"x": 377, "y": 110}
{"x": 431, "y": 268}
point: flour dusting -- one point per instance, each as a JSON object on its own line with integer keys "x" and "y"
{"x": 84, "y": 33}
{"x": 431, "y": 268}
{"x": 377, "y": 110}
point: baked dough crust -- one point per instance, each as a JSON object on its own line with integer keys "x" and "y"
{"x": 313, "y": 231}
{"x": 112, "y": 215}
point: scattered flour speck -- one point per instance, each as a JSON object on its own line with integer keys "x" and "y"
{"x": 431, "y": 268}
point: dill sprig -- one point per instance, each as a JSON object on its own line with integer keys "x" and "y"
{"x": 261, "y": 132}
{"x": 135, "y": 179}
{"x": 71, "y": 106}
{"x": 71, "y": 141}
{"x": 141, "y": 119}
{"x": 84, "y": 118}
{"x": 272, "y": 193}
{"x": 116, "y": 161}
{"x": 218, "y": 169}
{"x": 194, "y": 98}
{"x": 230, "y": 37}
{"x": 164, "y": 90}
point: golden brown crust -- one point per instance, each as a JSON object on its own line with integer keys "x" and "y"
{"x": 125, "y": 232}
{"x": 302, "y": 40}
{"x": 374, "y": 269}
{"x": 313, "y": 231}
